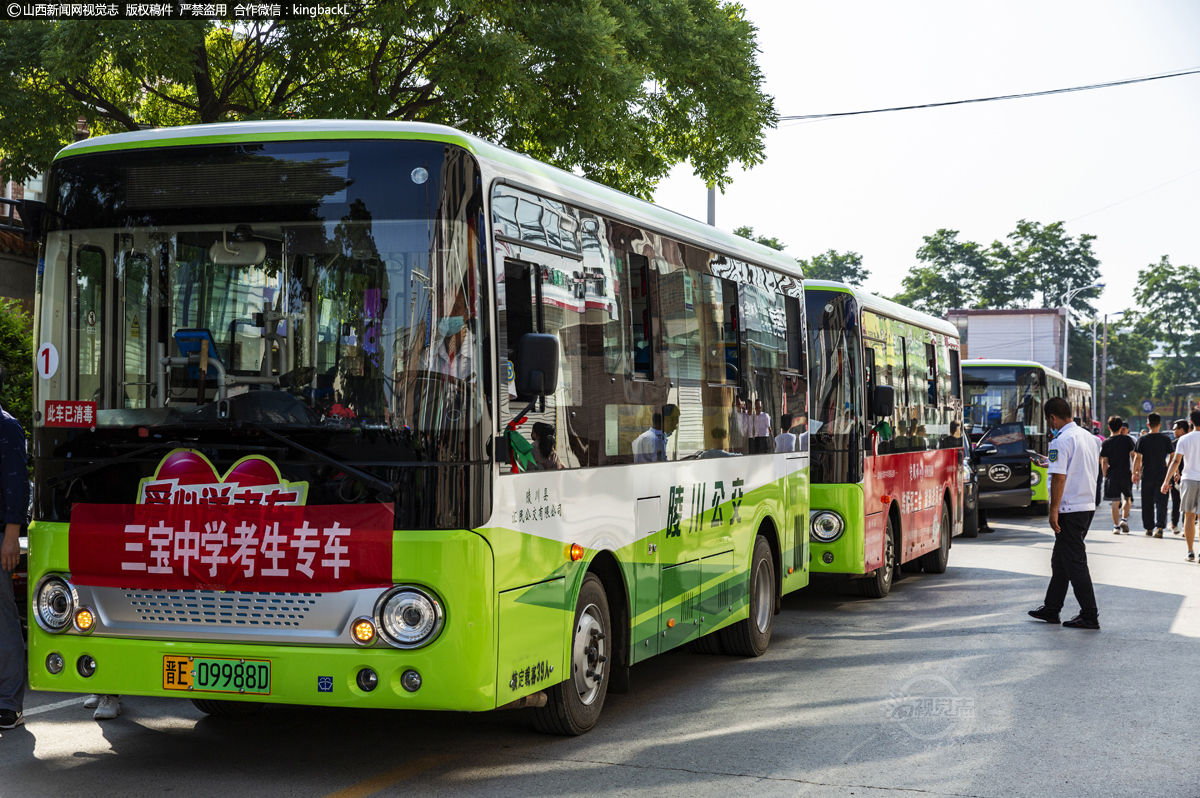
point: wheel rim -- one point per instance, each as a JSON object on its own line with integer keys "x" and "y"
{"x": 589, "y": 653}
{"x": 762, "y": 596}
{"x": 889, "y": 557}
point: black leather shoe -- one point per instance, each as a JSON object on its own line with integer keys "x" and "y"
{"x": 1043, "y": 614}
{"x": 1079, "y": 622}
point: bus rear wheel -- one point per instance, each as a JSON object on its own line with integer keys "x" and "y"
{"x": 750, "y": 637}
{"x": 226, "y": 709}
{"x": 935, "y": 561}
{"x": 574, "y": 705}
{"x": 879, "y": 583}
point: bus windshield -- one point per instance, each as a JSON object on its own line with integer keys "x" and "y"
{"x": 329, "y": 286}
{"x": 1003, "y": 395}
{"x": 836, "y": 406}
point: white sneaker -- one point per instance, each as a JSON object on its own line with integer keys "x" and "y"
{"x": 1174, "y": 530}
{"x": 1125, "y": 526}
{"x": 108, "y": 708}
{"x": 92, "y": 701}
{"x": 1116, "y": 530}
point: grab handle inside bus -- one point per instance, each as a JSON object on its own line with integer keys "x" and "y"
{"x": 883, "y": 401}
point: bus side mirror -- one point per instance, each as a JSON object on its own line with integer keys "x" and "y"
{"x": 32, "y": 212}
{"x": 537, "y": 364}
{"x": 883, "y": 401}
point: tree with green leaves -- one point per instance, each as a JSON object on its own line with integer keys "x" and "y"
{"x": 772, "y": 243}
{"x": 16, "y": 353}
{"x": 948, "y": 276}
{"x": 1168, "y": 296}
{"x": 1043, "y": 262}
{"x": 618, "y": 90}
{"x": 840, "y": 267}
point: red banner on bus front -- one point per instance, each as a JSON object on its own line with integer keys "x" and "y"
{"x": 249, "y": 547}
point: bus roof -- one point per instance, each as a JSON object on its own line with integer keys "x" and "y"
{"x": 540, "y": 176}
{"x": 984, "y": 362}
{"x": 1080, "y": 384}
{"x": 886, "y": 307}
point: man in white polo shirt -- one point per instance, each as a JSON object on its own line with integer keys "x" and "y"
{"x": 1074, "y": 464}
{"x": 1187, "y": 450}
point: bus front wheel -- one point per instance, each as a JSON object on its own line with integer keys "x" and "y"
{"x": 879, "y": 583}
{"x": 574, "y": 705}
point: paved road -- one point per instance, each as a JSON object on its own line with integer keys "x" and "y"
{"x": 943, "y": 688}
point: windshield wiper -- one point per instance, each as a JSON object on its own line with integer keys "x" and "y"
{"x": 106, "y": 462}
{"x": 388, "y": 490}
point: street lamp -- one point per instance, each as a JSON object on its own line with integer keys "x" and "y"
{"x": 1103, "y": 392}
{"x": 1067, "y": 297}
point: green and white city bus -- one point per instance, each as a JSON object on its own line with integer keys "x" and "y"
{"x": 1002, "y": 399}
{"x": 374, "y": 414}
{"x": 885, "y": 436}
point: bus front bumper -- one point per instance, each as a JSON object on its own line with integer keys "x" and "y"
{"x": 299, "y": 675}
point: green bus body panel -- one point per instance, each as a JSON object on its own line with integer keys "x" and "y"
{"x": 458, "y": 667}
{"x": 1041, "y": 491}
{"x": 534, "y": 625}
{"x": 509, "y": 599}
{"x": 849, "y": 551}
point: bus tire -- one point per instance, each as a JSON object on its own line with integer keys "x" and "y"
{"x": 750, "y": 637}
{"x": 970, "y": 523}
{"x": 226, "y": 709}
{"x": 879, "y": 583}
{"x": 935, "y": 561}
{"x": 709, "y": 644}
{"x": 574, "y": 705}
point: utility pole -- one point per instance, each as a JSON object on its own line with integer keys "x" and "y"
{"x": 1095, "y": 319}
{"x": 1104, "y": 381}
{"x": 712, "y": 206}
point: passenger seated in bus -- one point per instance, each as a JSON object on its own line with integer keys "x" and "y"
{"x": 651, "y": 445}
{"x": 719, "y": 435}
{"x": 785, "y": 441}
{"x": 920, "y": 440}
{"x": 545, "y": 453}
{"x": 954, "y": 439}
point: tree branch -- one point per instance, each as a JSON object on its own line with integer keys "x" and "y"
{"x": 95, "y": 100}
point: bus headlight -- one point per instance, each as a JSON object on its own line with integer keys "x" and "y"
{"x": 826, "y": 526}
{"x": 1034, "y": 477}
{"x": 54, "y": 604}
{"x": 409, "y": 617}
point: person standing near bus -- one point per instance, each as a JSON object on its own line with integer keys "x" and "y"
{"x": 14, "y": 506}
{"x": 1115, "y": 454}
{"x": 1074, "y": 460}
{"x": 785, "y": 441}
{"x": 1187, "y": 460}
{"x": 1181, "y": 428}
{"x": 1150, "y": 455}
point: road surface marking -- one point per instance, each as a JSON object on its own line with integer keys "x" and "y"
{"x": 389, "y": 777}
{"x": 56, "y": 705}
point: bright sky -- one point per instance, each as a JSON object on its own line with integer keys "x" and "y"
{"x": 876, "y": 184}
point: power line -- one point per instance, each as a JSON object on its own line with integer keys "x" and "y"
{"x": 1089, "y": 87}
{"x": 1135, "y": 196}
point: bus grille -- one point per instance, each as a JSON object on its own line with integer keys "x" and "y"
{"x": 320, "y": 619}
{"x": 211, "y": 607}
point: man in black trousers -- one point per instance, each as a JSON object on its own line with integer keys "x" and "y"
{"x": 1074, "y": 462}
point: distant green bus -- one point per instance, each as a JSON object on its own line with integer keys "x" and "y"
{"x": 1001, "y": 396}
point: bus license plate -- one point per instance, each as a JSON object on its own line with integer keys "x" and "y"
{"x": 215, "y": 675}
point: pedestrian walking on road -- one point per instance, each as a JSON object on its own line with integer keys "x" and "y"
{"x": 1181, "y": 428}
{"x": 1127, "y": 502}
{"x": 1186, "y": 460}
{"x": 1115, "y": 457}
{"x": 1150, "y": 455}
{"x": 1074, "y": 461}
{"x": 14, "y": 506}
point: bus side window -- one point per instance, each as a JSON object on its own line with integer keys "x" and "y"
{"x": 642, "y": 317}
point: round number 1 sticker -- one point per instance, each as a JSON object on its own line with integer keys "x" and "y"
{"x": 47, "y": 361}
